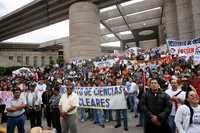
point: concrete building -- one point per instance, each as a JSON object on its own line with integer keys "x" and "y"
{"x": 28, "y": 54}
{"x": 42, "y": 54}
{"x": 182, "y": 19}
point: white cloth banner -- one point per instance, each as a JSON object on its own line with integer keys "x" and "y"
{"x": 185, "y": 48}
{"x": 109, "y": 97}
{"x": 106, "y": 63}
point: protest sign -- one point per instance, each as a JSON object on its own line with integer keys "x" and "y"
{"x": 185, "y": 48}
{"x": 106, "y": 63}
{"x": 109, "y": 97}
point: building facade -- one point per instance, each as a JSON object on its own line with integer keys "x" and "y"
{"x": 28, "y": 55}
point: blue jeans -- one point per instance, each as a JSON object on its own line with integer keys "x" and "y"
{"x": 108, "y": 115}
{"x": 99, "y": 116}
{"x": 125, "y": 117}
{"x": 12, "y": 122}
{"x": 91, "y": 114}
{"x": 133, "y": 103}
{"x": 172, "y": 124}
{"x": 82, "y": 114}
{"x": 141, "y": 119}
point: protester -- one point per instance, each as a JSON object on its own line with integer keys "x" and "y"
{"x": 68, "y": 107}
{"x": 177, "y": 96}
{"x": 187, "y": 118}
{"x": 38, "y": 107}
{"x": 133, "y": 91}
{"x": 104, "y": 72}
{"x": 54, "y": 108}
{"x": 195, "y": 80}
{"x": 141, "y": 113}
{"x": 98, "y": 113}
{"x": 30, "y": 99}
{"x": 156, "y": 106}
{"x": 122, "y": 112}
{"x": 45, "y": 100}
{"x": 15, "y": 109}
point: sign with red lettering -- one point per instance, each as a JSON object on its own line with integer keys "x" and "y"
{"x": 185, "y": 48}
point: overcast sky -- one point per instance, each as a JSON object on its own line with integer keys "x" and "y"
{"x": 52, "y": 32}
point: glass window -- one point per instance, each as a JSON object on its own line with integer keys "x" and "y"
{"x": 60, "y": 52}
{"x": 27, "y": 60}
{"x": 10, "y": 58}
{"x": 35, "y": 60}
{"x": 19, "y": 59}
{"x": 42, "y": 60}
{"x": 51, "y": 61}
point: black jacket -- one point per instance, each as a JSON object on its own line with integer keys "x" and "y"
{"x": 158, "y": 105}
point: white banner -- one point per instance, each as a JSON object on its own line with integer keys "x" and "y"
{"x": 106, "y": 63}
{"x": 185, "y": 48}
{"x": 134, "y": 50}
{"x": 109, "y": 97}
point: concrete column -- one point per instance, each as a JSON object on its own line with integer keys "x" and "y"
{"x": 66, "y": 51}
{"x": 31, "y": 60}
{"x": 161, "y": 34}
{"x": 185, "y": 21}
{"x": 84, "y": 36}
{"x": 171, "y": 19}
{"x": 196, "y": 17}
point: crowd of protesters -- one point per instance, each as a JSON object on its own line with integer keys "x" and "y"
{"x": 155, "y": 90}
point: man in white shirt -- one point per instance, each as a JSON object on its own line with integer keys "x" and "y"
{"x": 40, "y": 88}
{"x": 30, "y": 100}
{"x": 68, "y": 107}
{"x": 133, "y": 91}
{"x": 15, "y": 108}
{"x": 177, "y": 97}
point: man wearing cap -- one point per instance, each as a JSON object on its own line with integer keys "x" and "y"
{"x": 68, "y": 107}
{"x": 15, "y": 109}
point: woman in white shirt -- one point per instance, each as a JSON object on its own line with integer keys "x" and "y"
{"x": 187, "y": 118}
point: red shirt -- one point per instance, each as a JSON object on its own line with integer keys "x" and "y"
{"x": 195, "y": 82}
{"x": 167, "y": 77}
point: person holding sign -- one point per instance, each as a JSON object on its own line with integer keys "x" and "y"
{"x": 123, "y": 111}
{"x": 68, "y": 108}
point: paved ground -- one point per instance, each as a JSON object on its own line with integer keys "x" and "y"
{"x": 89, "y": 127}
